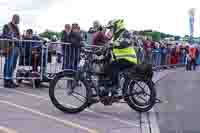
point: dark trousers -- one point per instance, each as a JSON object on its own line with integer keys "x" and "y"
{"x": 116, "y": 67}
{"x": 59, "y": 57}
{"x": 192, "y": 64}
{"x": 71, "y": 57}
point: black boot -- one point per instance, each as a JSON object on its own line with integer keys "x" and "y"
{"x": 9, "y": 84}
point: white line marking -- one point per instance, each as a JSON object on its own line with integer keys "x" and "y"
{"x": 7, "y": 130}
{"x": 152, "y": 116}
{"x": 130, "y": 123}
{"x": 145, "y": 128}
{"x": 65, "y": 122}
{"x": 154, "y": 123}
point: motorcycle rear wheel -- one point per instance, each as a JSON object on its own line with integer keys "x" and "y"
{"x": 133, "y": 101}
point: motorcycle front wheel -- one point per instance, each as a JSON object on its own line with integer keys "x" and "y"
{"x": 67, "y": 94}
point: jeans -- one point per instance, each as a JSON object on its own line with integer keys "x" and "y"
{"x": 193, "y": 64}
{"x": 148, "y": 57}
{"x": 10, "y": 63}
{"x": 163, "y": 59}
{"x": 158, "y": 58}
{"x": 154, "y": 58}
{"x": 183, "y": 58}
{"x": 59, "y": 57}
{"x": 140, "y": 56}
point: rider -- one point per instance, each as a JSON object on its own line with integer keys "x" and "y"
{"x": 123, "y": 52}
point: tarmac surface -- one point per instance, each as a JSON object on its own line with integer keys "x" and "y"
{"x": 28, "y": 110}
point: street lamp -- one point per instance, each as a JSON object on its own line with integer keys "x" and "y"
{"x": 191, "y": 22}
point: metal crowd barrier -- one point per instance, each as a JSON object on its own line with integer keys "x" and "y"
{"x": 24, "y": 55}
{"x": 163, "y": 67}
{"x": 64, "y": 56}
{"x": 31, "y": 59}
{"x": 158, "y": 59}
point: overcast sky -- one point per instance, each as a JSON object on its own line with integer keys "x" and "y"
{"x": 170, "y": 16}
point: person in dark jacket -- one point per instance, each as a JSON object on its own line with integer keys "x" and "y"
{"x": 65, "y": 37}
{"x": 11, "y": 31}
{"x": 31, "y": 51}
{"x": 75, "y": 39}
{"x": 100, "y": 37}
{"x": 65, "y": 33}
{"x": 25, "y": 57}
{"x": 93, "y": 30}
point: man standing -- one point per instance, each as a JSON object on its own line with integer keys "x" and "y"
{"x": 147, "y": 50}
{"x": 65, "y": 37}
{"x": 11, "y": 31}
{"x": 93, "y": 30}
{"x": 100, "y": 37}
{"x": 75, "y": 39}
{"x": 193, "y": 54}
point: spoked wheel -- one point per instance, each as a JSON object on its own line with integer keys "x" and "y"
{"x": 142, "y": 95}
{"x": 68, "y": 95}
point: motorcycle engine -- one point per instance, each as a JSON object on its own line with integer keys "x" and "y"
{"x": 98, "y": 67}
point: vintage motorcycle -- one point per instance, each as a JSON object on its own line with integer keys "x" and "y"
{"x": 135, "y": 88}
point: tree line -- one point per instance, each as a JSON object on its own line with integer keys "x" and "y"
{"x": 155, "y": 35}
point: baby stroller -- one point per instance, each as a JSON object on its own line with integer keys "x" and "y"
{"x": 31, "y": 57}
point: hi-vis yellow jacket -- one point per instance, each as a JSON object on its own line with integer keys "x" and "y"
{"x": 124, "y": 50}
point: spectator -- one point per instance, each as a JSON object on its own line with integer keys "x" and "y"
{"x": 156, "y": 54}
{"x": 193, "y": 53}
{"x": 57, "y": 48}
{"x": 92, "y": 31}
{"x": 27, "y": 50}
{"x": 140, "y": 53}
{"x": 163, "y": 54}
{"x": 169, "y": 50}
{"x": 65, "y": 37}
{"x": 31, "y": 52}
{"x": 11, "y": 31}
{"x": 174, "y": 55}
{"x": 147, "y": 50}
{"x": 198, "y": 57}
{"x": 96, "y": 25}
{"x": 100, "y": 37}
{"x": 75, "y": 39}
{"x": 65, "y": 33}
{"x": 182, "y": 54}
